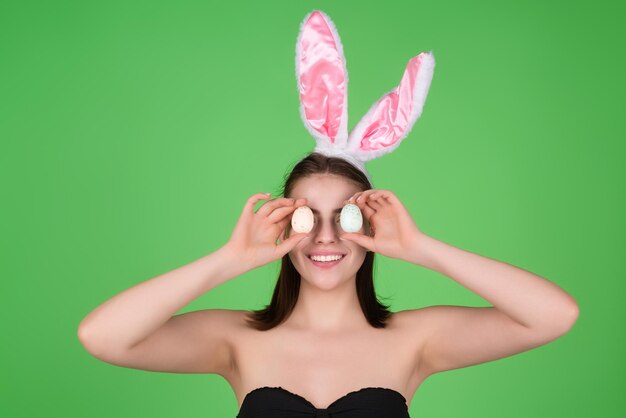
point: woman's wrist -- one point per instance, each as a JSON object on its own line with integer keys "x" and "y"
{"x": 420, "y": 252}
{"x": 229, "y": 264}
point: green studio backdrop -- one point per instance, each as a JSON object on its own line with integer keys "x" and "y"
{"x": 133, "y": 132}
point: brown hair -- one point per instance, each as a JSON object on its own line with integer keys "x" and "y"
{"x": 287, "y": 287}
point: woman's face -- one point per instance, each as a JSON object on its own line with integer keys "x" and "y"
{"x": 325, "y": 195}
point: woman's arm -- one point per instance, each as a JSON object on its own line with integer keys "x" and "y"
{"x": 528, "y": 310}
{"x": 525, "y": 297}
{"x": 123, "y": 321}
{"x": 138, "y": 328}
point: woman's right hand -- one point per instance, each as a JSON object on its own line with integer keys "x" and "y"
{"x": 255, "y": 236}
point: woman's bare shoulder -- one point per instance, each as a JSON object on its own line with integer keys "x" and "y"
{"x": 234, "y": 315}
{"x": 236, "y": 318}
{"x": 410, "y": 315}
{"x": 428, "y": 312}
{"x": 416, "y": 321}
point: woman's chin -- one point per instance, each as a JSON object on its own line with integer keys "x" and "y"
{"x": 325, "y": 280}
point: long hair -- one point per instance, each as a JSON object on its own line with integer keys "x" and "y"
{"x": 287, "y": 287}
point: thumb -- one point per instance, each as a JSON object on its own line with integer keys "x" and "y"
{"x": 285, "y": 246}
{"x": 363, "y": 240}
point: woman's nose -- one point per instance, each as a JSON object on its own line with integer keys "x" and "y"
{"x": 326, "y": 231}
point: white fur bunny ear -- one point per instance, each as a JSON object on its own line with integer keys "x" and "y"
{"x": 391, "y": 118}
{"x": 322, "y": 81}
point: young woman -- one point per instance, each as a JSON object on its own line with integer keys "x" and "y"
{"x": 325, "y": 346}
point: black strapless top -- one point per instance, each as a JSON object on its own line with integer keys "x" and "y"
{"x": 369, "y": 402}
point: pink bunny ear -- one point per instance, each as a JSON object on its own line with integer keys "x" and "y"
{"x": 391, "y": 118}
{"x": 322, "y": 81}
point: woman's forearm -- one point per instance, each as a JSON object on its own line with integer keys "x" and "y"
{"x": 134, "y": 314}
{"x": 527, "y": 298}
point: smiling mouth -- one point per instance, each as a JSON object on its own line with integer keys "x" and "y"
{"x": 326, "y": 264}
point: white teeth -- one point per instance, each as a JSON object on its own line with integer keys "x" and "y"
{"x": 326, "y": 258}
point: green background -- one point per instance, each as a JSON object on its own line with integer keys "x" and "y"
{"x": 133, "y": 132}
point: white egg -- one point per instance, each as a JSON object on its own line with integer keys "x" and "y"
{"x": 302, "y": 219}
{"x": 351, "y": 218}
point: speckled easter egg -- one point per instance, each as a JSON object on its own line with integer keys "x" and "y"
{"x": 351, "y": 218}
{"x": 302, "y": 219}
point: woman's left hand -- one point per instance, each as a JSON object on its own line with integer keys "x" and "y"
{"x": 393, "y": 232}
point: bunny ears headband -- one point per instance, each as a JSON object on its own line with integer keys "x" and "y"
{"x": 323, "y": 86}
